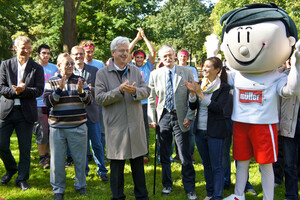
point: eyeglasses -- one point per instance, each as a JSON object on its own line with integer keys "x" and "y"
{"x": 69, "y": 64}
{"x": 123, "y": 50}
{"x": 78, "y": 54}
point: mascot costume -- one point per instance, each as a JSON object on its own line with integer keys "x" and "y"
{"x": 256, "y": 40}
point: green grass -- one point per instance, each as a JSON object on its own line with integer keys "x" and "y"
{"x": 96, "y": 189}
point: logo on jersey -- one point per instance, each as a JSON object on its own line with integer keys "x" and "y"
{"x": 250, "y": 96}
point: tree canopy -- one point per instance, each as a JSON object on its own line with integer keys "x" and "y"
{"x": 180, "y": 23}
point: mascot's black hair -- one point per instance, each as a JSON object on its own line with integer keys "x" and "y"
{"x": 257, "y": 13}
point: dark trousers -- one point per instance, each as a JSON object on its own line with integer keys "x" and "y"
{"x": 138, "y": 175}
{"x": 16, "y": 121}
{"x": 289, "y": 160}
{"x": 169, "y": 127}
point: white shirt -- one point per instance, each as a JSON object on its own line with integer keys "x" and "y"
{"x": 256, "y": 96}
{"x": 167, "y": 71}
{"x": 21, "y": 69}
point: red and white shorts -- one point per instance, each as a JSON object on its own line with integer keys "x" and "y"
{"x": 258, "y": 140}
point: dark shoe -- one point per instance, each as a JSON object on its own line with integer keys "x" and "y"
{"x": 176, "y": 158}
{"x": 90, "y": 158}
{"x": 104, "y": 177}
{"x": 58, "y": 196}
{"x": 226, "y": 186}
{"x": 6, "y": 178}
{"x": 192, "y": 196}
{"x": 23, "y": 185}
{"x": 193, "y": 160}
{"x": 166, "y": 190}
{"x": 45, "y": 162}
{"x": 81, "y": 191}
{"x": 69, "y": 162}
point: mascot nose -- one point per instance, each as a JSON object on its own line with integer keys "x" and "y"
{"x": 244, "y": 50}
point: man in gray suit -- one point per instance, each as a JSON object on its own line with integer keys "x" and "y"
{"x": 89, "y": 72}
{"x": 173, "y": 117}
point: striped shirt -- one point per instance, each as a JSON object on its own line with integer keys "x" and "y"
{"x": 67, "y": 106}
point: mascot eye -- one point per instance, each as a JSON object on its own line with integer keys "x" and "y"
{"x": 239, "y": 37}
{"x": 248, "y": 36}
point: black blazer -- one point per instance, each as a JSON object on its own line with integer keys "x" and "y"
{"x": 216, "y": 126}
{"x": 89, "y": 74}
{"x": 33, "y": 78}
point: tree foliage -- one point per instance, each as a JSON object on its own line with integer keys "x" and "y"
{"x": 181, "y": 23}
{"x": 100, "y": 21}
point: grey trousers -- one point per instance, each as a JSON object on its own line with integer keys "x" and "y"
{"x": 76, "y": 139}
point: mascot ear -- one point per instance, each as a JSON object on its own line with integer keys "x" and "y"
{"x": 292, "y": 41}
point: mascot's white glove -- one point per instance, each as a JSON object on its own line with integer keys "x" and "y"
{"x": 212, "y": 45}
{"x": 295, "y": 60}
{"x": 293, "y": 84}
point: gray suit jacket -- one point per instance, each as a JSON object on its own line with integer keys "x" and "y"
{"x": 157, "y": 85}
{"x": 89, "y": 74}
{"x": 33, "y": 78}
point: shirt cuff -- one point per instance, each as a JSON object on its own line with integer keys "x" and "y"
{"x": 192, "y": 99}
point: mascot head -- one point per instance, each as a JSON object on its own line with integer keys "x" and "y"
{"x": 257, "y": 38}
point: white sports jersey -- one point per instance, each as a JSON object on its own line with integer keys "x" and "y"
{"x": 256, "y": 96}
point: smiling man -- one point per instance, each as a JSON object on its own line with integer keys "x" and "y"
{"x": 66, "y": 95}
{"x": 120, "y": 88}
{"x": 139, "y": 57}
{"x": 21, "y": 81}
{"x": 257, "y": 39}
{"x": 89, "y": 72}
{"x": 172, "y": 115}
{"x": 42, "y": 133}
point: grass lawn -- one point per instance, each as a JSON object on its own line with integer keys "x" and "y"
{"x": 96, "y": 189}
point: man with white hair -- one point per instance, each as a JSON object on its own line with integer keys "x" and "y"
{"x": 173, "y": 117}
{"x": 120, "y": 88}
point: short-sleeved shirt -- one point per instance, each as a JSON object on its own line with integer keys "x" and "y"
{"x": 96, "y": 63}
{"x": 49, "y": 71}
{"x": 195, "y": 74}
{"x": 145, "y": 71}
{"x": 256, "y": 96}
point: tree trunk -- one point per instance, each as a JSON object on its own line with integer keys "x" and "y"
{"x": 69, "y": 29}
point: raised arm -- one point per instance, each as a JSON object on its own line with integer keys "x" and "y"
{"x": 150, "y": 47}
{"x": 292, "y": 87}
{"x": 133, "y": 43}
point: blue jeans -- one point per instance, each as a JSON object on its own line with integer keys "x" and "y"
{"x": 290, "y": 148}
{"x": 94, "y": 137}
{"x": 211, "y": 152}
{"x": 102, "y": 128}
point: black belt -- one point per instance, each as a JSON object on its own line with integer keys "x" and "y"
{"x": 17, "y": 107}
{"x": 170, "y": 112}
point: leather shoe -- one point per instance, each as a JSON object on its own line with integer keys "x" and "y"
{"x": 104, "y": 177}
{"x": 6, "y": 178}
{"x": 58, "y": 196}
{"x": 23, "y": 185}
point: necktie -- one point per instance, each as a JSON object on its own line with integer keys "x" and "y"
{"x": 169, "y": 104}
